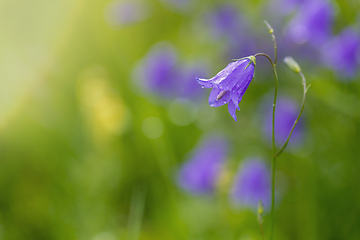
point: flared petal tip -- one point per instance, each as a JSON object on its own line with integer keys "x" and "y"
{"x": 232, "y": 109}
{"x": 204, "y": 83}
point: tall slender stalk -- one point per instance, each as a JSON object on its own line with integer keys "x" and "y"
{"x": 292, "y": 64}
{"x": 273, "y": 160}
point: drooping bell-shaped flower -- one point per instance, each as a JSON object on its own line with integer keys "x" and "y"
{"x": 252, "y": 184}
{"x": 342, "y": 53}
{"x": 200, "y": 173}
{"x": 230, "y": 84}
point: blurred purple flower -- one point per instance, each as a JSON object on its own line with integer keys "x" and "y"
{"x": 230, "y": 84}
{"x": 285, "y": 116}
{"x": 252, "y": 184}
{"x": 160, "y": 73}
{"x": 247, "y": 47}
{"x": 158, "y": 70}
{"x": 342, "y": 52}
{"x": 120, "y": 13}
{"x": 200, "y": 173}
{"x": 224, "y": 20}
{"x": 312, "y": 23}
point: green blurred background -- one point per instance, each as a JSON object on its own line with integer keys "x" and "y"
{"x": 84, "y": 155}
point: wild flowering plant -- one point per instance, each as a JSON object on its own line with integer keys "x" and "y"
{"x": 228, "y": 87}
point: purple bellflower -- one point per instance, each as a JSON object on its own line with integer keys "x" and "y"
{"x": 286, "y": 113}
{"x": 224, "y": 20}
{"x": 252, "y": 184}
{"x": 230, "y": 84}
{"x": 312, "y": 23}
{"x": 342, "y": 53}
{"x": 200, "y": 173}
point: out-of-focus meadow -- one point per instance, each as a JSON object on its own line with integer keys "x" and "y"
{"x": 105, "y": 134}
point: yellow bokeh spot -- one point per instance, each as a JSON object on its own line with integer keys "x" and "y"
{"x": 102, "y": 106}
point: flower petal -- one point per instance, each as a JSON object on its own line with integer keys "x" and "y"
{"x": 240, "y": 76}
{"x": 232, "y": 109}
{"x": 205, "y": 83}
{"x": 222, "y": 78}
{"x": 235, "y": 94}
{"x": 246, "y": 85}
{"x": 232, "y": 74}
{"x": 239, "y": 89}
{"x": 213, "y": 96}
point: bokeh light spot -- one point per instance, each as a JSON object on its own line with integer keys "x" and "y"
{"x": 181, "y": 112}
{"x": 153, "y": 127}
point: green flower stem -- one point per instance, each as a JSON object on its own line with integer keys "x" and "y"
{"x": 272, "y": 222}
{"x": 295, "y": 67}
{"x": 262, "y": 231}
{"x": 273, "y": 162}
{"x": 303, "y": 80}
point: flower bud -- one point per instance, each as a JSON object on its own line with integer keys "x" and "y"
{"x": 260, "y": 211}
{"x": 292, "y": 64}
{"x": 269, "y": 28}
